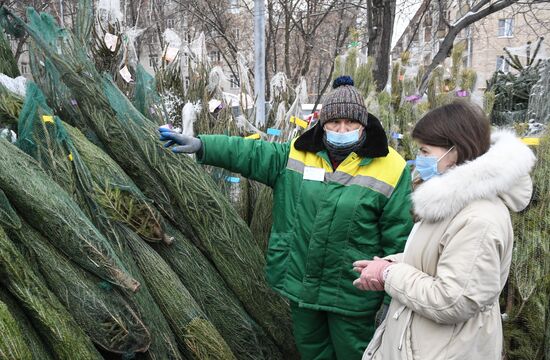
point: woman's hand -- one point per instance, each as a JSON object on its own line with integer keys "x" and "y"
{"x": 372, "y": 274}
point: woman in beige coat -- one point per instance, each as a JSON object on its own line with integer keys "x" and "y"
{"x": 445, "y": 286}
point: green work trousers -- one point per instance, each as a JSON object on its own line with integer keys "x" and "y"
{"x": 323, "y": 335}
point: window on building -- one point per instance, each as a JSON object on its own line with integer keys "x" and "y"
{"x": 237, "y": 33}
{"x": 214, "y": 56}
{"x": 234, "y": 6}
{"x": 233, "y": 82}
{"x": 187, "y": 82}
{"x": 427, "y": 59}
{"x": 24, "y": 68}
{"x": 153, "y": 60}
{"x": 428, "y": 34}
{"x": 170, "y": 23}
{"x": 502, "y": 65}
{"x": 427, "y": 19}
{"x": 506, "y": 27}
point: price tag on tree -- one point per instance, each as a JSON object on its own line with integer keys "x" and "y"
{"x": 111, "y": 41}
{"x": 170, "y": 54}
{"x": 125, "y": 73}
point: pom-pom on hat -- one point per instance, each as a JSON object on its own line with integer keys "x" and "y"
{"x": 344, "y": 102}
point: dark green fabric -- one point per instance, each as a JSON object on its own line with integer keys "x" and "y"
{"x": 319, "y": 228}
{"x": 322, "y": 335}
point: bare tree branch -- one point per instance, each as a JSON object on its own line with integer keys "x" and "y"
{"x": 468, "y": 19}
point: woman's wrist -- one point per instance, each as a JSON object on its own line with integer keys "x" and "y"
{"x": 386, "y": 271}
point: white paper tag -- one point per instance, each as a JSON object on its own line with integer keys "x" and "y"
{"x": 111, "y": 41}
{"x": 213, "y": 105}
{"x": 125, "y": 73}
{"x": 313, "y": 173}
{"x": 170, "y": 54}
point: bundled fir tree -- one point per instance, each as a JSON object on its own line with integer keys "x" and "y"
{"x": 512, "y": 89}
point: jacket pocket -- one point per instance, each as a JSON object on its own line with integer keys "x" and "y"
{"x": 277, "y": 258}
{"x": 430, "y": 340}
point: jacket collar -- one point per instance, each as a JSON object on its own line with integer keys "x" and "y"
{"x": 375, "y": 144}
{"x": 501, "y": 172}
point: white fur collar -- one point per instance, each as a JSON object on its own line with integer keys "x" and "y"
{"x": 502, "y": 171}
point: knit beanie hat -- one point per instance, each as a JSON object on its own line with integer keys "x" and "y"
{"x": 344, "y": 102}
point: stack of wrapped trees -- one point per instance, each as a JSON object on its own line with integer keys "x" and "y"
{"x": 116, "y": 247}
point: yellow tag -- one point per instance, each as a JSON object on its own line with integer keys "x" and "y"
{"x": 253, "y": 137}
{"x": 47, "y": 119}
{"x": 531, "y": 141}
{"x": 298, "y": 121}
{"x": 70, "y": 157}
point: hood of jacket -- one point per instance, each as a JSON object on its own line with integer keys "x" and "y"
{"x": 503, "y": 172}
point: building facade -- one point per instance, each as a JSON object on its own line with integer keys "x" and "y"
{"x": 484, "y": 41}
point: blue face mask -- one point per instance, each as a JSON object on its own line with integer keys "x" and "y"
{"x": 426, "y": 166}
{"x": 342, "y": 139}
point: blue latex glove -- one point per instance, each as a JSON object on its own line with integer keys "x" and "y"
{"x": 186, "y": 144}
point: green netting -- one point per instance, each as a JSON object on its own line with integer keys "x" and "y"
{"x": 528, "y": 290}
{"x": 42, "y": 201}
{"x": 8, "y": 216}
{"x": 84, "y": 22}
{"x": 32, "y": 339}
{"x": 61, "y": 333}
{"x": 229, "y": 244}
{"x": 194, "y": 332}
{"x": 41, "y": 136}
{"x": 146, "y": 99}
{"x": 132, "y": 141}
{"x": 539, "y": 106}
{"x": 531, "y": 260}
{"x": 57, "y": 216}
{"x": 12, "y": 343}
{"x": 8, "y": 65}
{"x": 52, "y": 147}
{"x": 47, "y": 78}
{"x": 105, "y": 171}
{"x": 98, "y": 118}
{"x": 244, "y": 337}
{"x": 48, "y": 146}
{"x": 101, "y": 312}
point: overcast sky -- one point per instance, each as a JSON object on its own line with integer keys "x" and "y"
{"x": 403, "y": 14}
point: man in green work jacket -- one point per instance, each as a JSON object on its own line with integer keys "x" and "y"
{"x": 340, "y": 195}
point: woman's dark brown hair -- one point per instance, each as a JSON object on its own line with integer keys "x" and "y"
{"x": 461, "y": 124}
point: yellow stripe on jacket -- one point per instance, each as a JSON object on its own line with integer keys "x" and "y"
{"x": 381, "y": 174}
